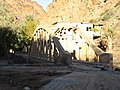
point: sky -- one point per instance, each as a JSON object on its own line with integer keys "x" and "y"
{"x": 43, "y": 3}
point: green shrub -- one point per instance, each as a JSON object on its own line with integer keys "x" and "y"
{"x": 117, "y": 4}
{"x": 111, "y": 33}
{"x": 107, "y": 15}
{"x": 118, "y": 7}
{"x": 94, "y": 29}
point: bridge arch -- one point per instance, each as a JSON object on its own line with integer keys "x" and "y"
{"x": 46, "y": 47}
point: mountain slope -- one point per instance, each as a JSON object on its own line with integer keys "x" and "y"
{"x": 22, "y": 8}
{"x": 78, "y": 10}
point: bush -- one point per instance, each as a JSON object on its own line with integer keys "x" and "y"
{"x": 8, "y": 36}
{"x": 117, "y": 4}
{"x": 107, "y": 15}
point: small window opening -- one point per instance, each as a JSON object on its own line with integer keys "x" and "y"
{"x": 62, "y": 38}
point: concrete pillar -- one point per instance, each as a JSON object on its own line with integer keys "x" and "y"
{"x": 50, "y": 49}
{"x": 40, "y": 44}
{"x": 79, "y": 53}
{"x": 46, "y": 49}
{"x": 87, "y": 52}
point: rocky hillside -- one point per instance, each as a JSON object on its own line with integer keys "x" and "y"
{"x": 22, "y": 8}
{"x": 68, "y": 10}
{"x": 78, "y": 10}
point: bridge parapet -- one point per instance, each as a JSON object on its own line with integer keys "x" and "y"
{"x": 64, "y": 56}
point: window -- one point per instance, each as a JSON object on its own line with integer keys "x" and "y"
{"x": 64, "y": 32}
{"x": 105, "y": 1}
{"x": 76, "y": 42}
{"x": 87, "y": 29}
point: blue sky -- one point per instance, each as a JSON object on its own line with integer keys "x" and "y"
{"x": 43, "y": 3}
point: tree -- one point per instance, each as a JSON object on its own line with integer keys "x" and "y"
{"x": 9, "y": 25}
{"x": 8, "y": 38}
{"x": 28, "y": 29}
{"x": 22, "y": 28}
{"x": 110, "y": 34}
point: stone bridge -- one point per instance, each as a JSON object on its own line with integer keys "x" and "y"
{"x": 63, "y": 42}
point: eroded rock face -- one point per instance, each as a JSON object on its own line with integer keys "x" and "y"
{"x": 77, "y": 10}
{"x": 22, "y": 8}
{"x": 62, "y": 10}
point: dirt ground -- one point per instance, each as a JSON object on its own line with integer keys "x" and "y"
{"x": 18, "y": 75}
{"x": 19, "y": 80}
{"x": 16, "y": 78}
